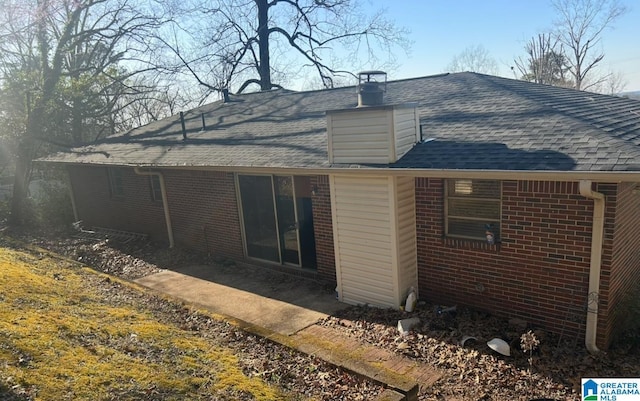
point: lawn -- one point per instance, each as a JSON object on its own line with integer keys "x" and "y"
{"x": 63, "y": 337}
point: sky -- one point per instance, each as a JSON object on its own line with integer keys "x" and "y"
{"x": 441, "y": 29}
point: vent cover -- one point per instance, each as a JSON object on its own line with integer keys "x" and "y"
{"x": 371, "y": 88}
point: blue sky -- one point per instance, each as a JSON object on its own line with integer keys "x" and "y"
{"x": 441, "y": 29}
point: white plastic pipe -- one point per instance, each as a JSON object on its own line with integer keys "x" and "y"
{"x": 165, "y": 203}
{"x": 597, "y": 235}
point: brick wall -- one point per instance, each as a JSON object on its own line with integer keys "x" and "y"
{"x": 539, "y": 272}
{"x": 204, "y": 212}
{"x": 135, "y": 211}
{"x": 323, "y": 228}
{"x": 625, "y": 257}
{"x": 203, "y": 207}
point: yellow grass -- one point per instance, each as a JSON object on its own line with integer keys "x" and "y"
{"x": 59, "y": 337}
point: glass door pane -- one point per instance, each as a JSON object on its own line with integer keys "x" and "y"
{"x": 306, "y": 233}
{"x": 256, "y": 193}
{"x": 287, "y": 222}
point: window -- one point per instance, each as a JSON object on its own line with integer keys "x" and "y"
{"x": 156, "y": 189}
{"x": 473, "y": 209}
{"x": 115, "y": 182}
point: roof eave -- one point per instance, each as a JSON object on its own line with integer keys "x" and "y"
{"x": 532, "y": 175}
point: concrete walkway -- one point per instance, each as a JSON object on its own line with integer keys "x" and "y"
{"x": 286, "y": 309}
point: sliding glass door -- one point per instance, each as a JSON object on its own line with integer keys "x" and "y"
{"x": 287, "y": 221}
{"x": 273, "y": 213}
{"x": 261, "y": 233}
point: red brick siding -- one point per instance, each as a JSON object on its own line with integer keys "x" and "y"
{"x": 323, "y": 227}
{"x": 204, "y": 211}
{"x": 203, "y": 207}
{"x": 625, "y": 256}
{"x": 540, "y": 270}
{"x": 135, "y": 211}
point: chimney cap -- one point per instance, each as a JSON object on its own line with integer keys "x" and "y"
{"x": 372, "y": 72}
{"x": 371, "y": 86}
{"x": 372, "y": 76}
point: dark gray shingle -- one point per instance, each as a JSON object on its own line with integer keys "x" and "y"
{"x": 476, "y": 122}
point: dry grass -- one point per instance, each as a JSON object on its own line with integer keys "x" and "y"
{"x": 60, "y": 340}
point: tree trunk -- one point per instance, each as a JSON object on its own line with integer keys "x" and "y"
{"x": 24, "y": 163}
{"x": 264, "y": 66}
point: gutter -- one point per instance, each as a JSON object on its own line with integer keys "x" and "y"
{"x": 597, "y": 235}
{"x": 517, "y": 175}
{"x": 165, "y": 203}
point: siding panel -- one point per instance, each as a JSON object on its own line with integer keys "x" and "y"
{"x": 360, "y": 137}
{"x": 406, "y": 236}
{"x": 405, "y": 130}
{"x": 371, "y": 135}
{"x": 364, "y": 261}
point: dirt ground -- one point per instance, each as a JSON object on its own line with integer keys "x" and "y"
{"x": 552, "y": 370}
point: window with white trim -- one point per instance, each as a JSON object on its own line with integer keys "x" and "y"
{"x": 473, "y": 209}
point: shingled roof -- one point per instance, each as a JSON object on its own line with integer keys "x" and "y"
{"x": 469, "y": 121}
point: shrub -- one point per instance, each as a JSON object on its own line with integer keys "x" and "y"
{"x": 48, "y": 203}
{"x": 52, "y": 205}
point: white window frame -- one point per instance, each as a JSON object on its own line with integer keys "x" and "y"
{"x": 481, "y": 236}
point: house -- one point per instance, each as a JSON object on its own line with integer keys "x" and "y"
{"x": 590, "y": 389}
{"x": 511, "y": 197}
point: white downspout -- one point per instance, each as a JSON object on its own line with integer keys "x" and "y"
{"x": 597, "y": 235}
{"x": 165, "y": 203}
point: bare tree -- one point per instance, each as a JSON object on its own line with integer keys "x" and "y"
{"x": 545, "y": 62}
{"x": 233, "y": 44}
{"x": 580, "y": 24}
{"x": 475, "y": 59}
{"x": 612, "y": 84}
{"x": 143, "y": 107}
{"x": 58, "y": 44}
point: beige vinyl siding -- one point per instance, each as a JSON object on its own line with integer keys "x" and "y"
{"x": 374, "y": 234}
{"x": 406, "y": 130}
{"x": 377, "y": 135}
{"x": 362, "y": 230}
{"x": 360, "y": 137}
{"x": 406, "y": 235}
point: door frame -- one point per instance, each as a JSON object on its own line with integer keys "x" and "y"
{"x": 275, "y": 209}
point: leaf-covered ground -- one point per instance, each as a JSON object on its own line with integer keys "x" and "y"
{"x": 68, "y": 333}
{"x": 472, "y": 372}
{"x": 552, "y": 371}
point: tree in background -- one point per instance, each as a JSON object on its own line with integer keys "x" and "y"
{"x": 614, "y": 84}
{"x": 62, "y": 70}
{"x": 545, "y": 62}
{"x": 232, "y": 44}
{"x": 579, "y": 26}
{"x": 474, "y": 59}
